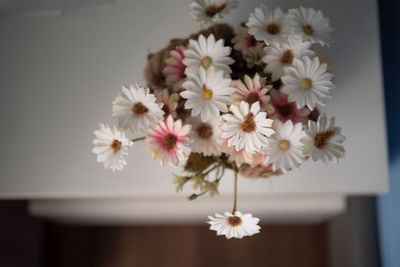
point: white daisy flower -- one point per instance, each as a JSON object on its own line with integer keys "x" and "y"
{"x": 206, "y": 53}
{"x": 280, "y": 55}
{"x": 311, "y": 25}
{"x": 111, "y": 147}
{"x": 136, "y": 109}
{"x": 206, "y": 136}
{"x": 207, "y": 93}
{"x": 307, "y": 83}
{"x": 323, "y": 141}
{"x": 210, "y": 11}
{"x": 268, "y": 24}
{"x": 285, "y": 149}
{"x": 247, "y": 127}
{"x": 235, "y": 225}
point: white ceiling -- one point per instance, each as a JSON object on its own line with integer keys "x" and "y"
{"x": 60, "y": 75}
{"x": 52, "y": 7}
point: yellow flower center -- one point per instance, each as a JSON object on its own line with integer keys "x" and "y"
{"x": 273, "y": 28}
{"x": 287, "y": 57}
{"x": 204, "y": 131}
{"x": 116, "y": 145}
{"x": 284, "y": 144}
{"x": 139, "y": 109}
{"x": 170, "y": 141}
{"x": 234, "y": 221}
{"x": 306, "y": 83}
{"x": 248, "y": 124}
{"x": 252, "y": 98}
{"x": 308, "y": 30}
{"x": 321, "y": 139}
{"x": 207, "y": 93}
{"x": 212, "y": 10}
{"x": 206, "y": 62}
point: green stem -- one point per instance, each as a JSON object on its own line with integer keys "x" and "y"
{"x": 221, "y": 175}
{"x": 215, "y": 30}
{"x": 210, "y": 170}
{"x": 235, "y": 196}
{"x": 202, "y": 193}
{"x": 195, "y": 196}
{"x": 138, "y": 139}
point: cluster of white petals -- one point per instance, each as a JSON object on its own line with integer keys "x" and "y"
{"x": 323, "y": 140}
{"x": 207, "y": 93}
{"x": 212, "y": 107}
{"x": 207, "y": 53}
{"x": 111, "y": 147}
{"x": 210, "y": 11}
{"x": 247, "y": 127}
{"x": 236, "y": 225}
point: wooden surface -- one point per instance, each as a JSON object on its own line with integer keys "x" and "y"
{"x": 188, "y": 246}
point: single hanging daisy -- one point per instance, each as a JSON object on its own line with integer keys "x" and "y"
{"x": 207, "y": 93}
{"x": 311, "y": 25}
{"x": 206, "y": 53}
{"x": 136, "y": 109}
{"x": 247, "y": 127}
{"x": 243, "y": 40}
{"x": 169, "y": 101}
{"x": 210, "y": 11}
{"x": 252, "y": 91}
{"x": 174, "y": 70}
{"x": 323, "y": 141}
{"x": 268, "y": 24}
{"x": 111, "y": 147}
{"x": 285, "y": 110}
{"x": 280, "y": 55}
{"x": 285, "y": 148}
{"x": 206, "y": 136}
{"x": 237, "y": 225}
{"x": 168, "y": 141}
{"x": 307, "y": 83}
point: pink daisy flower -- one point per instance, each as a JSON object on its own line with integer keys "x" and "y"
{"x": 175, "y": 69}
{"x": 285, "y": 110}
{"x": 243, "y": 40}
{"x": 170, "y": 102}
{"x": 168, "y": 141}
{"x": 252, "y": 91}
{"x": 240, "y": 157}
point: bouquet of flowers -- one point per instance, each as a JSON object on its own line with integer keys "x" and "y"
{"x": 217, "y": 100}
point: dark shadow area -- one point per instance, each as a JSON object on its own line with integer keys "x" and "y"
{"x": 353, "y": 236}
{"x": 30, "y": 242}
{"x": 347, "y": 240}
{"x": 186, "y": 246}
{"x": 389, "y": 29}
{"x": 20, "y": 236}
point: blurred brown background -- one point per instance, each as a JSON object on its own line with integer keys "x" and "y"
{"x": 349, "y": 240}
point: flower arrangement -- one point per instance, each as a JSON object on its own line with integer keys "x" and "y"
{"x": 248, "y": 102}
